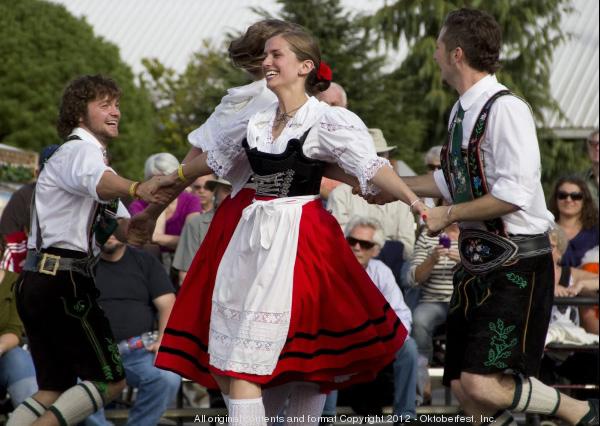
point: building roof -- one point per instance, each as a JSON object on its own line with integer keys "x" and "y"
{"x": 574, "y": 74}
{"x": 173, "y": 30}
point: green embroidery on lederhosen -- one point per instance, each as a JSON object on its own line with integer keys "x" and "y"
{"x": 80, "y": 310}
{"x": 500, "y": 346}
{"x": 115, "y": 355}
{"x": 517, "y": 279}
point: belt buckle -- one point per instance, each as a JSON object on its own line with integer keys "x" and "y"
{"x": 52, "y": 267}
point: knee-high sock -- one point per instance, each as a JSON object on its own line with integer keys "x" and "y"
{"x": 532, "y": 396}
{"x": 247, "y": 412}
{"x": 76, "y": 403}
{"x": 274, "y": 399}
{"x": 26, "y": 413}
{"x": 307, "y": 401}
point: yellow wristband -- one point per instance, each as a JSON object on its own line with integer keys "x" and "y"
{"x": 180, "y": 174}
{"x": 133, "y": 189}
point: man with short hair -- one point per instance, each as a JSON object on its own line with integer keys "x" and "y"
{"x": 137, "y": 296}
{"x": 396, "y": 218}
{"x": 366, "y": 238}
{"x": 75, "y": 210}
{"x": 503, "y": 290}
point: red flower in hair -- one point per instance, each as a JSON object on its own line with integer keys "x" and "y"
{"x": 324, "y": 73}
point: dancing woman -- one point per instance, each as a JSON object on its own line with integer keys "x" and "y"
{"x": 271, "y": 319}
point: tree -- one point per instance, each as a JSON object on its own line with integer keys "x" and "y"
{"x": 43, "y": 47}
{"x": 183, "y": 102}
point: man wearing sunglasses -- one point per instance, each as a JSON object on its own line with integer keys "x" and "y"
{"x": 365, "y": 237}
{"x": 503, "y": 290}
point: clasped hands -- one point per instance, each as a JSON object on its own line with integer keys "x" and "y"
{"x": 435, "y": 218}
{"x": 158, "y": 189}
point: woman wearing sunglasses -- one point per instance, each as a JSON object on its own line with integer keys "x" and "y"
{"x": 574, "y": 211}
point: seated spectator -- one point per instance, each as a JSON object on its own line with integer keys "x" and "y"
{"x": 569, "y": 281}
{"x": 171, "y": 221}
{"x": 576, "y": 367}
{"x": 196, "y": 227}
{"x": 574, "y": 211}
{"x": 204, "y": 193}
{"x": 431, "y": 270}
{"x": 17, "y": 373}
{"x": 16, "y": 218}
{"x": 396, "y": 219}
{"x": 135, "y": 293}
{"x": 365, "y": 237}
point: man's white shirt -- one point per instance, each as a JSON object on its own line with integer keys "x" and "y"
{"x": 66, "y": 195}
{"x": 511, "y": 157}
{"x": 384, "y": 280}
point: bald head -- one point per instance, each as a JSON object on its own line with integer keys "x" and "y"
{"x": 334, "y": 96}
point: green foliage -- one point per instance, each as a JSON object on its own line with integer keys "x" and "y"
{"x": 15, "y": 174}
{"x": 561, "y": 158}
{"x": 531, "y": 31}
{"x": 183, "y": 102}
{"x": 43, "y": 47}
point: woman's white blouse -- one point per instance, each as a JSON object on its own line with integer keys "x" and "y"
{"x": 336, "y": 135}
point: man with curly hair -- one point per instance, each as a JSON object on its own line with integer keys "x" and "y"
{"x": 503, "y": 290}
{"x": 75, "y": 209}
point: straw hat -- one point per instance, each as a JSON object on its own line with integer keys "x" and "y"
{"x": 379, "y": 141}
{"x": 212, "y": 183}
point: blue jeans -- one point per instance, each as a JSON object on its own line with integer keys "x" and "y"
{"x": 426, "y": 317}
{"x": 405, "y": 379}
{"x": 156, "y": 389}
{"x": 17, "y": 375}
{"x": 405, "y": 383}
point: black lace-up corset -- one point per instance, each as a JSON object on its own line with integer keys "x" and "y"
{"x": 289, "y": 174}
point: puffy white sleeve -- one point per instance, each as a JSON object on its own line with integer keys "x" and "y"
{"x": 222, "y": 134}
{"x": 343, "y": 138}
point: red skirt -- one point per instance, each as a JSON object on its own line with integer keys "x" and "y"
{"x": 342, "y": 330}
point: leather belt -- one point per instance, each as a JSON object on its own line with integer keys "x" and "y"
{"x": 50, "y": 264}
{"x": 482, "y": 252}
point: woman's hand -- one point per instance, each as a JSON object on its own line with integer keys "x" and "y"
{"x": 560, "y": 291}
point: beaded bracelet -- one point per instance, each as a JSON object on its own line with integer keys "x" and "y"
{"x": 133, "y": 189}
{"x": 180, "y": 174}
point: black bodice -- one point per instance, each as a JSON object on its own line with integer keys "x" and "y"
{"x": 288, "y": 174}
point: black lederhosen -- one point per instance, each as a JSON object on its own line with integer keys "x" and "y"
{"x": 69, "y": 335}
{"x": 498, "y": 321}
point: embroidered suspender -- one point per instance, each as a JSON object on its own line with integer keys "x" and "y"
{"x": 474, "y": 161}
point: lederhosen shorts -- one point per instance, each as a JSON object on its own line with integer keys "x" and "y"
{"x": 68, "y": 333}
{"x": 498, "y": 320}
